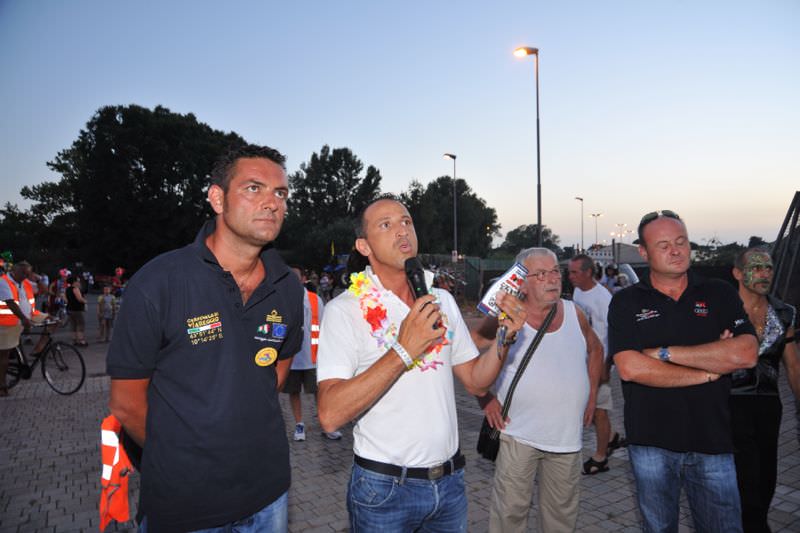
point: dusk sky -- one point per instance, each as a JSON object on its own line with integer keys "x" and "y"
{"x": 644, "y": 105}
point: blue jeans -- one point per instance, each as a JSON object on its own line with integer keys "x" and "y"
{"x": 273, "y": 518}
{"x": 709, "y": 481}
{"x": 388, "y": 504}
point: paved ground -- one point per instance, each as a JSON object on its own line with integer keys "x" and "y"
{"x": 50, "y": 465}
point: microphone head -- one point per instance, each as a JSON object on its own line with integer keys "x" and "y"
{"x": 413, "y": 264}
{"x": 416, "y": 276}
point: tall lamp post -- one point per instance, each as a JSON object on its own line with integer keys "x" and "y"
{"x": 455, "y": 211}
{"x": 522, "y": 52}
{"x": 595, "y": 216}
{"x": 581, "y": 201}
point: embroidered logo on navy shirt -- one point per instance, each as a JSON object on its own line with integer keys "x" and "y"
{"x": 279, "y": 331}
{"x": 266, "y": 356}
{"x": 204, "y": 328}
{"x": 273, "y": 330}
{"x": 701, "y": 309}
{"x": 647, "y": 314}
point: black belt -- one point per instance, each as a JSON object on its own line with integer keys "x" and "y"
{"x": 455, "y": 463}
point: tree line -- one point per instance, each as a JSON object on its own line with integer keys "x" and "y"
{"x": 133, "y": 185}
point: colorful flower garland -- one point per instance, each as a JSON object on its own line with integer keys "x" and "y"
{"x": 374, "y": 312}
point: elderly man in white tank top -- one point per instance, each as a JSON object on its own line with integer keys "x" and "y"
{"x": 554, "y": 400}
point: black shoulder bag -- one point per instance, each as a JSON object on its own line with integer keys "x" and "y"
{"x": 489, "y": 437}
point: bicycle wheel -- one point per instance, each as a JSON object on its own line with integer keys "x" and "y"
{"x": 63, "y": 368}
{"x": 14, "y": 367}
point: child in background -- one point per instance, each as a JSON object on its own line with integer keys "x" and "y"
{"x": 106, "y": 311}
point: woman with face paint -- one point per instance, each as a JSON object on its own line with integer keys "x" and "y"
{"x": 755, "y": 402}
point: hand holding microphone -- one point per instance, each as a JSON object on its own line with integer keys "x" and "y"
{"x": 423, "y": 324}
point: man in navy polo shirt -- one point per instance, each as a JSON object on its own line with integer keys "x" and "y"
{"x": 203, "y": 343}
{"x": 676, "y": 337}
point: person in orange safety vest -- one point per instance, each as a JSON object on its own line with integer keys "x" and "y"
{"x": 17, "y": 313}
{"x": 303, "y": 373}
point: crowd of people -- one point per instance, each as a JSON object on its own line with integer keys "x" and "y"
{"x": 211, "y": 332}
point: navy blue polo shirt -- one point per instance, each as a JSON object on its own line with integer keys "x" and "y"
{"x": 216, "y": 448}
{"x": 680, "y": 419}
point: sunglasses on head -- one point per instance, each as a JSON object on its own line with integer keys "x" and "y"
{"x": 649, "y": 217}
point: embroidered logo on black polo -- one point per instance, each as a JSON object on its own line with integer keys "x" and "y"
{"x": 266, "y": 356}
{"x": 701, "y": 309}
{"x": 647, "y": 314}
{"x": 279, "y": 331}
{"x": 204, "y": 328}
{"x": 273, "y": 329}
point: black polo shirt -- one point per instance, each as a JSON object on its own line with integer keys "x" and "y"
{"x": 680, "y": 419}
{"x": 216, "y": 448}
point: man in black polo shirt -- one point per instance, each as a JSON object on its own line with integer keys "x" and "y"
{"x": 675, "y": 338}
{"x": 203, "y": 342}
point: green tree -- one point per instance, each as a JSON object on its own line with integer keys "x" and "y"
{"x": 132, "y": 186}
{"x": 431, "y": 208}
{"x": 527, "y": 236}
{"x": 756, "y": 242}
{"x": 326, "y": 195}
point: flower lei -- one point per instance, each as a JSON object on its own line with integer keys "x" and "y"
{"x": 374, "y": 312}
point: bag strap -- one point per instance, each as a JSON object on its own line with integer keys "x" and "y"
{"x": 527, "y": 358}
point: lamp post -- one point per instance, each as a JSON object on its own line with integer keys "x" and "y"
{"x": 595, "y": 216}
{"x": 620, "y": 234}
{"x": 455, "y": 211}
{"x": 522, "y": 52}
{"x": 581, "y": 201}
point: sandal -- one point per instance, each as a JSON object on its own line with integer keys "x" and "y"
{"x": 592, "y": 467}
{"x": 616, "y": 443}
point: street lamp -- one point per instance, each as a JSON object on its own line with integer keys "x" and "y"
{"x": 621, "y": 230}
{"x": 581, "y": 201}
{"x": 522, "y": 52}
{"x": 455, "y": 216}
{"x": 595, "y": 216}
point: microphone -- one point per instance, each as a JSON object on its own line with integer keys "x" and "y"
{"x": 416, "y": 277}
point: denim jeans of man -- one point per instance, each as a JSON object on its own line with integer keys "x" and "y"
{"x": 389, "y": 504}
{"x": 272, "y": 518}
{"x": 708, "y": 479}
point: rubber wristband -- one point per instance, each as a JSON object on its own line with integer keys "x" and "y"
{"x": 403, "y": 354}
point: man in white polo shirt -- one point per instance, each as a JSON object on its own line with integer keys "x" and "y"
{"x": 388, "y": 361}
{"x": 594, "y": 299}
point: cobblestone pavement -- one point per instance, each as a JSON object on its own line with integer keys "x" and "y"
{"x": 50, "y": 465}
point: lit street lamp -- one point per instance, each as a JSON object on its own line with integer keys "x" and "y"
{"x": 455, "y": 216}
{"x": 595, "y": 216}
{"x": 581, "y": 201}
{"x": 522, "y": 52}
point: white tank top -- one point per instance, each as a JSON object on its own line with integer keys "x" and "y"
{"x": 550, "y": 398}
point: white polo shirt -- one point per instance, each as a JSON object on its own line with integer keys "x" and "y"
{"x": 414, "y": 423}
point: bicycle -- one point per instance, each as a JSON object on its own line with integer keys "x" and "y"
{"x": 62, "y": 364}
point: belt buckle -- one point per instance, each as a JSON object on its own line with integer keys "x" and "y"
{"x": 436, "y": 472}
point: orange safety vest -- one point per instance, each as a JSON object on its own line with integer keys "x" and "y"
{"x": 7, "y": 316}
{"x": 114, "y": 478}
{"x": 313, "y": 300}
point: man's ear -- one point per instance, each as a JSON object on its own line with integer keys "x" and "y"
{"x": 643, "y": 251}
{"x": 363, "y": 247}
{"x": 216, "y": 197}
{"x": 737, "y": 274}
